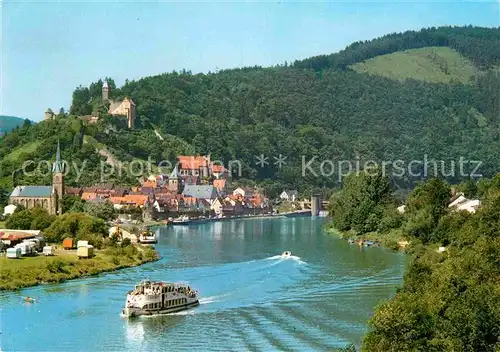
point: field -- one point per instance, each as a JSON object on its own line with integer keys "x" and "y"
{"x": 31, "y": 271}
{"x": 432, "y": 64}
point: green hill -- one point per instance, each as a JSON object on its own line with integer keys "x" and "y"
{"x": 316, "y": 109}
{"x": 432, "y": 64}
{"x": 8, "y": 123}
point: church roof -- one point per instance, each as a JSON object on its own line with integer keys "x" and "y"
{"x": 174, "y": 174}
{"x": 200, "y": 191}
{"x": 32, "y": 191}
{"x": 58, "y": 166}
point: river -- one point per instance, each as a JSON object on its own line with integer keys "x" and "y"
{"x": 251, "y": 300}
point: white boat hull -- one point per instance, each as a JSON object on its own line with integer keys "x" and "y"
{"x": 136, "y": 312}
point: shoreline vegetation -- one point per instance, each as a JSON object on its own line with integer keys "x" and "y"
{"x": 393, "y": 241}
{"x": 65, "y": 265}
{"x": 450, "y": 296}
{"x": 111, "y": 251}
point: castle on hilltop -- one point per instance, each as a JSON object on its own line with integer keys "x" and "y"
{"x": 124, "y": 107}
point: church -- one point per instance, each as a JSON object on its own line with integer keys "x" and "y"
{"x": 47, "y": 197}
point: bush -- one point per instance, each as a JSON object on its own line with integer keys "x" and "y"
{"x": 126, "y": 242}
{"x": 56, "y": 266}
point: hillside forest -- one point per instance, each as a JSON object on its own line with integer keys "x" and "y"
{"x": 317, "y": 109}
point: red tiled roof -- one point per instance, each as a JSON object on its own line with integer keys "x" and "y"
{"x": 135, "y": 199}
{"x": 219, "y": 184}
{"x": 190, "y": 162}
{"x": 72, "y": 191}
{"x": 218, "y": 168}
{"x": 89, "y": 195}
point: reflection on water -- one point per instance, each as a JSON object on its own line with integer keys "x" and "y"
{"x": 251, "y": 298}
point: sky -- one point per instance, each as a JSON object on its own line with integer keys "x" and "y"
{"x": 48, "y": 48}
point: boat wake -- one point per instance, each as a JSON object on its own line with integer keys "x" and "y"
{"x": 211, "y": 299}
{"x": 280, "y": 258}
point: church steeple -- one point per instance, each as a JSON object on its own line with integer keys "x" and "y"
{"x": 57, "y": 181}
{"x": 174, "y": 184}
{"x": 58, "y": 166}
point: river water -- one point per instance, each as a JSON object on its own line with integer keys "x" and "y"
{"x": 251, "y": 299}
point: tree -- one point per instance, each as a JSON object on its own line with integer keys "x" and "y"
{"x": 79, "y": 226}
{"x": 105, "y": 211}
{"x": 4, "y": 196}
{"x": 72, "y": 204}
{"x": 81, "y": 102}
{"x": 30, "y": 219}
{"x": 361, "y": 203}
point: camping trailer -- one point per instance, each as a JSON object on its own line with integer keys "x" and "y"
{"x": 25, "y": 248}
{"x": 82, "y": 244}
{"x": 68, "y": 243}
{"x": 48, "y": 250}
{"x": 85, "y": 251}
{"x": 13, "y": 253}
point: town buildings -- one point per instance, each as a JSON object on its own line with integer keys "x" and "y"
{"x": 195, "y": 186}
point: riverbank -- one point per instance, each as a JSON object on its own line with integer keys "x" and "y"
{"x": 65, "y": 265}
{"x": 152, "y": 223}
{"x": 393, "y": 240}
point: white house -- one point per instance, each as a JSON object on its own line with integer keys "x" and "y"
{"x": 460, "y": 199}
{"x": 470, "y": 205}
{"x": 244, "y": 192}
{"x": 462, "y": 203}
{"x": 290, "y": 196}
{"x": 217, "y": 206}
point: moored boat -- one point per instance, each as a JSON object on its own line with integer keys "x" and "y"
{"x": 183, "y": 220}
{"x": 157, "y": 297}
{"x": 147, "y": 237}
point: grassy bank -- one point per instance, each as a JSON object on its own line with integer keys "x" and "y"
{"x": 393, "y": 240}
{"x": 65, "y": 265}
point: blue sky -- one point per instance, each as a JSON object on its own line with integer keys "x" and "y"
{"x": 49, "y": 47}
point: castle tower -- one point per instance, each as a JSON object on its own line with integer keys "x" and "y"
{"x": 105, "y": 91}
{"x": 174, "y": 179}
{"x": 49, "y": 114}
{"x": 57, "y": 181}
{"x": 130, "y": 112}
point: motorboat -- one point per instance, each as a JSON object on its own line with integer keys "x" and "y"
{"x": 157, "y": 298}
{"x": 29, "y": 300}
{"x": 286, "y": 254}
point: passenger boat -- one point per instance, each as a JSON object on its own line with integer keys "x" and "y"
{"x": 156, "y": 297}
{"x": 147, "y": 237}
{"x": 286, "y": 254}
{"x": 183, "y": 220}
